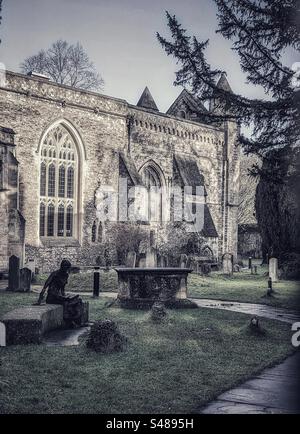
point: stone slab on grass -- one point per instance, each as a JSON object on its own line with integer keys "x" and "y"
{"x": 27, "y": 325}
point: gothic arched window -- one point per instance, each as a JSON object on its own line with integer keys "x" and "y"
{"x": 58, "y": 184}
{"x": 152, "y": 181}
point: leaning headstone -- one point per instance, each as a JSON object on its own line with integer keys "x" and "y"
{"x": 130, "y": 260}
{"x": 273, "y": 269}
{"x": 151, "y": 258}
{"x": 25, "y": 279}
{"x": 14, "y": 273}
{"x": 236, "y": 268}
{"x": 2, "y": 335}
{"x": 183, "y": 261}
{"x": 227, "y": 264}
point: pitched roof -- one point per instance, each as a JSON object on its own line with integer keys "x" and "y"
{"x": 146, "y": 100}
{"x": 190, "y": 175}
{"x": 223, "y": 83}
{"x": 209, "y": 229}
{"x": 189, "y": 171}
{"x": 190, "y": 100}
{"x": 130, "y": 168}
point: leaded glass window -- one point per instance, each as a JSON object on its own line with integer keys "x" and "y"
{"x": 58, "y": 184}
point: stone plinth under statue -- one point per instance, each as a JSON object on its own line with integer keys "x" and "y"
{"x": 139, "y": 288}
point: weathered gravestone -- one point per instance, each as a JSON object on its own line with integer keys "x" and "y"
{"x": 254, "y": 269}
{"x": 273, "y": 269}
{"x": 227, "y": 264}
{"x": 236, "y": 268}
{"x": 162, "y": 261}
{"x": 25, "y": 279}
{"x": 2, "y": 335}
{"x": 130, "y": 260}
{"x": 14, "y": 274}
{"x": 142, "y": 260}
{"x": 151, "y": 258}
{"x": 183, "y": 261}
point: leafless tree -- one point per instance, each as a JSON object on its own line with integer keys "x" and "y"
{"x": 65, "y": 64}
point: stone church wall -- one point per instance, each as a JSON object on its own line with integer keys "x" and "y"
{"x": 30, "y": 106}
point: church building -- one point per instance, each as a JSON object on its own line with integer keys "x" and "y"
{"x": 59, "y": 145}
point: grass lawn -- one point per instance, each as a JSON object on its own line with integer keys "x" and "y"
{"x": 245, "y": 287}
{"x": 241, "y": 286}
{"x": 174, "y": 367}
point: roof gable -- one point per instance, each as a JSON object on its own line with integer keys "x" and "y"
{"x": 223, "y": 83}
{"x": 146, "y": 100}
{"x": 188, "y": 103}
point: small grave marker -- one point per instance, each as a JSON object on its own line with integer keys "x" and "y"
{"x": 14, "y": 274}
{"x": 2, "y": 335}
{"x": 25, "y": 279}
{"x": 273, "y": 269}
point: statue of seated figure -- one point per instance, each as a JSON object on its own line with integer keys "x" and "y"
{"x": 72, "y": 304}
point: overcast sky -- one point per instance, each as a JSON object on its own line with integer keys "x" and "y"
{"x": 120, "y": 38}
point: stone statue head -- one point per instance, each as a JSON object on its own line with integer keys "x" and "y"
{"x": 65, "y": 265}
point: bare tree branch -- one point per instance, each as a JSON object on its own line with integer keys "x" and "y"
{"x": 65, "y": 64}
